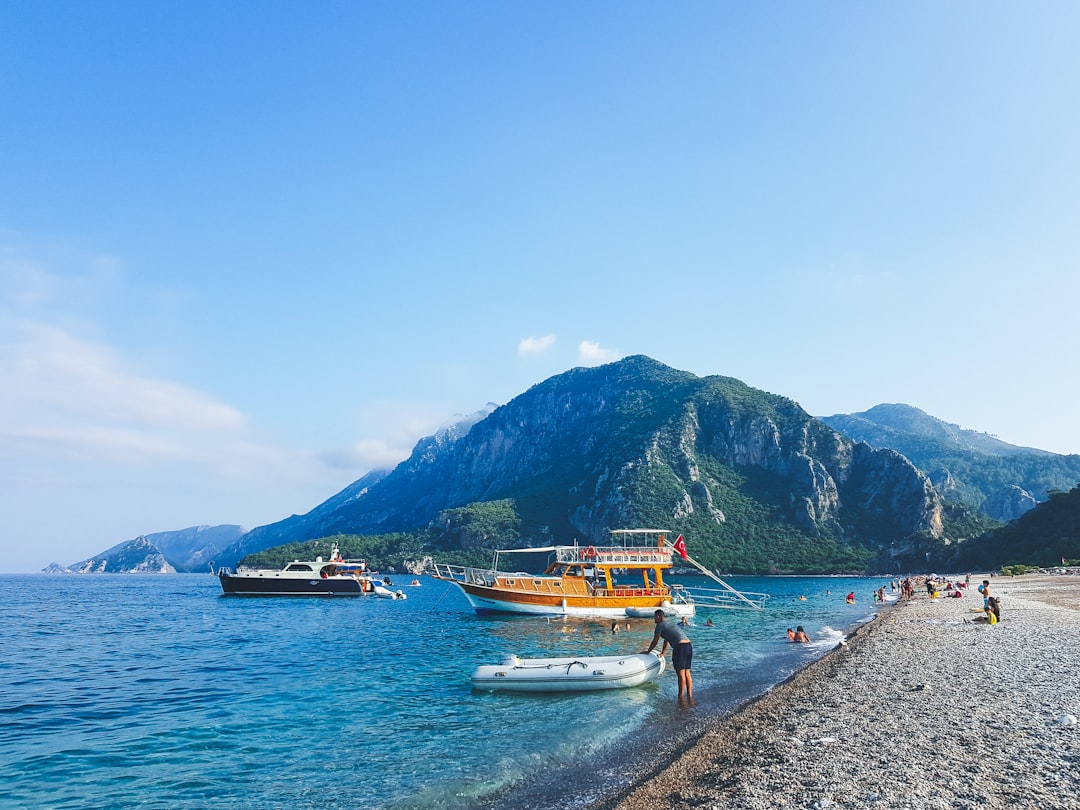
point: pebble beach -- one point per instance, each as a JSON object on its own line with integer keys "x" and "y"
{"x": 925, "y": 707}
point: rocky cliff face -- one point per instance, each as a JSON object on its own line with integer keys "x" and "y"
{"x": 138, "y": 556}
{"x": 636, "y": 442}
{"x": 1009, "y": 503}
{"x": 969, "y": 467}
{"x": 184, "y": 550}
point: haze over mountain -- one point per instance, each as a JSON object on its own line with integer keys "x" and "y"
{"x": 191, "y": 549}
{"x": 976, "y": 469}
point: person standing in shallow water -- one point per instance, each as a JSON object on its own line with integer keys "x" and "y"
{"x": 682, "y": 652}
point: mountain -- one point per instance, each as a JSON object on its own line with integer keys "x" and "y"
{"x": 752, "y": 480}
{"x": 190, "y": 549}
{"x": 976, "y": 469}
{"x": 1044, "y": 536}
{"x": 289, "y": 529}
{"x": 138, "y": 556}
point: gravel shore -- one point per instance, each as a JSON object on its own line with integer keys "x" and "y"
{"x": 923, "y": 708}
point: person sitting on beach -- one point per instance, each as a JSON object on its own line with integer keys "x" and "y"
{"x": 790, "y": 634}
{"x": 993, "y": 610}
{"x": 800, "y": 635}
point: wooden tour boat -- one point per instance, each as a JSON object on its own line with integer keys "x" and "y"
{"x": 586, "y": 581}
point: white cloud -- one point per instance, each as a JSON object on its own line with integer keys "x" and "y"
{"x": 535, "y": 345}
{"x": 389, "y": 431}
{"x": 58, "y": 385}
{"x": 593, "y": 354}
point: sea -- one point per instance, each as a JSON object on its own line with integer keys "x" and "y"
{"x": 155, "y": 691}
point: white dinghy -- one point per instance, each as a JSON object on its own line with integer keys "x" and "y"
{"x": 668, "y": 608}
{"x": 569, "y": 674}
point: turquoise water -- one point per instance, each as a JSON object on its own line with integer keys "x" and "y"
{"x": 154, "y": 691}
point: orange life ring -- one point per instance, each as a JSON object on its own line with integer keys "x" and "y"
{"x": 590, "y": 553}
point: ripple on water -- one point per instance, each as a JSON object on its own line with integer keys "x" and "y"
{"x": 154, "y": 691}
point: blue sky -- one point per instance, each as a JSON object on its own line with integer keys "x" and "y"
{"x": 251, "y": 250}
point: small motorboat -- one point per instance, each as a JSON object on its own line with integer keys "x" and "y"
{"x": 333, "y": 577}
{"x": 382, "y": 591}
{"x": 316, "y": 577}
{"x": 584, "y": 674}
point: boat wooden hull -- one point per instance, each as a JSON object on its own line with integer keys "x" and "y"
{"x": 495, "y": 600}
{"x": 586, "y": 674}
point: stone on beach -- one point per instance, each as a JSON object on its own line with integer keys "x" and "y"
{"x": 924, "y": 708}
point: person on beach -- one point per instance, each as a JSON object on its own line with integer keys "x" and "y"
{"x": 993, "y": 610}
{"x": 682, "y": 652}
{"x": 800, "y": 635}
{"x": 984, "y": 589}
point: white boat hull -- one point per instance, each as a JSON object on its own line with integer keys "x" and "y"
{"x": 585, "y": 674}
{"x": 385, "y": 593}
{"x": 669, "y": 609}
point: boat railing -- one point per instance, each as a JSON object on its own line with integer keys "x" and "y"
{"x": 717, "y": 598}
{"x": 613, "y": 555}
{"x": 466, "y": 575}
{"x": 625, "y": 591}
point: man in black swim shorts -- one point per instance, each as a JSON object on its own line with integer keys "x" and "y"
{"x": 682, "y": 652}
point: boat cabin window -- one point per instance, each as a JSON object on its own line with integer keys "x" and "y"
{"x": 300, "y": 567}
{"x": 511, "y": 582}
{"x": 538, "y": 582}
{"x": 555, "y": 583}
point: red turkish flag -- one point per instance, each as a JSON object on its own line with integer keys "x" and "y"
{"x": 680, "y": 546}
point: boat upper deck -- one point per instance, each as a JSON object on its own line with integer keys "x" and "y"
{"x": 617, "y": 556}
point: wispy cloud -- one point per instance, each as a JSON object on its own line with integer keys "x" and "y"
{"x": 593, "y": 354}
{"x": 536, "y": 345}
{"x": 71, "y": 395}
{"x": 389, "y": 431}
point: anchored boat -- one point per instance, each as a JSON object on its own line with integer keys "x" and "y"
{"x": 625, "y": 578}
{"x": 569, "y": 674}
{"x": 333, "y": 577}
{"x": 580, "y": 580}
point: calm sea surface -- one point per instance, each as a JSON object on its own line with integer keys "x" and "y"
{"x": 155, "y": 691}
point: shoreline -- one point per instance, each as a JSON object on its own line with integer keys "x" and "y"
{"x": 601, "y": 776}
{"x": 921, "y": 707}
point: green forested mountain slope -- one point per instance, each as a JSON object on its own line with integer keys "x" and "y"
{"x": 754, "y": 482}
{"x": 976, "y": 469}
{"x": 1044, "y": 536}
